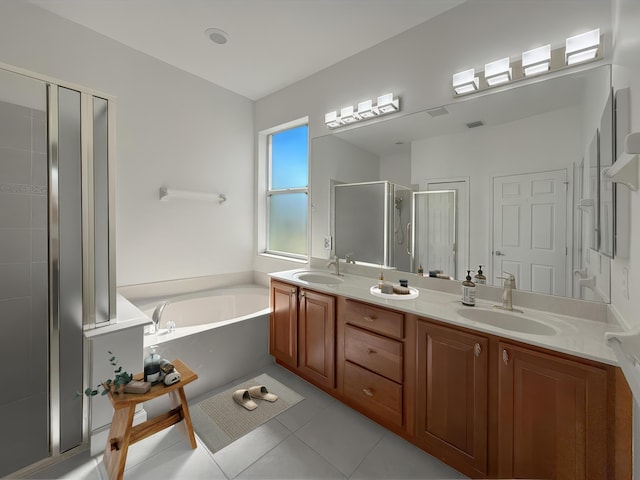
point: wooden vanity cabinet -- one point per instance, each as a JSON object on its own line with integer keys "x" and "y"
{"x": 283, "y": 324}
{"x": 552, "y": 416}
{"x": 488, "y": 407}
{"x": 452, "y": 396}
{"x": 302, "y": 332}
{"x": 371, "y": 362}
{"x": 317, "y": 337}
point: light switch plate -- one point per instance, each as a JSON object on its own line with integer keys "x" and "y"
{"x": 327, "y": 243}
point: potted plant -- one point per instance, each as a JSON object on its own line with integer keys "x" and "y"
{"x": 115, "y": 384}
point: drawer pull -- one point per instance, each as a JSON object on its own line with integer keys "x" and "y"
{"x": 368, "y": 319}
{"x": 477, "y": 349}
{"x": 367, "y": 392}
{"x": 505, "y": 356}
{"x": 371, "y": 351}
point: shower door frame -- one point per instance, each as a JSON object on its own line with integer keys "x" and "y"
{"x": 89, "y": 317}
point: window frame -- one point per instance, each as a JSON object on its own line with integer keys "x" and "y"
{"x": 266, "y": 138}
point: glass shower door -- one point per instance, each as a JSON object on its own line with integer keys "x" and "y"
{"x": 434, "y": 230}
{"x": 24, "y": 284}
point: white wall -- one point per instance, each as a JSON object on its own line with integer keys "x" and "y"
{"x": 172, "y": 129}
{"x": 417, "y": 65}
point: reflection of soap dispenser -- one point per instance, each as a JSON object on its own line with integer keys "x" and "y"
{"x": 468, "y": 291}
{"x": 480, "y": 279}
{"x": 420, "y": 271}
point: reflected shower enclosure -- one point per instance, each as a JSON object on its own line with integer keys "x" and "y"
{"x": 371, "y": 223}
{"x": 434, "y": 231}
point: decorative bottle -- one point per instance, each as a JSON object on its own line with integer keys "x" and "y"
{"x": 468, "y": 291}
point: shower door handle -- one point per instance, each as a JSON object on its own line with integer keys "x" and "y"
{"x": 409, "y": 240}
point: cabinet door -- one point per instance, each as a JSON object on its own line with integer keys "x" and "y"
{"x": 316, "y": 337}
{"x": 451, "y": 404}
{"x": 552, "y": 417}
{"x": 283, "y": 328}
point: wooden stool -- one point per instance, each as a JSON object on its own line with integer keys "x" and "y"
{"x": 122, "y": 432}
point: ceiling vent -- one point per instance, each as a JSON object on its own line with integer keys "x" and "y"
{"x": 477, "y": 123}
{"x": 436, "y": 112}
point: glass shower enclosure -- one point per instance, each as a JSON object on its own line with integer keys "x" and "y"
{"x": 56, "y": 261}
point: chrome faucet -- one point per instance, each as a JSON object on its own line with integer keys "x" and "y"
{"x": 507, "y": 293}
{"x": 348, "y": 258}
{"x": 157, "y": 314}
{"x": 335, "y": 263}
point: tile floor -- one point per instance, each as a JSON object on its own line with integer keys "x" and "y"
{"x": 318, "y": 438}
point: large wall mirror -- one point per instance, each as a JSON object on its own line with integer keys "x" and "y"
{"x": 518, "y": 161}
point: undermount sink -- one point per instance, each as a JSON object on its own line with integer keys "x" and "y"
{"x": 318, "y": 278}
{"x": 507, "y": 321}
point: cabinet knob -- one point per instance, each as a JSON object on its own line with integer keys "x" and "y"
{"x": 477, "y": 349}
{"x": 505, "y": 356}
{"x": 371, "y": 351}
{"x": 368, "y": 319}
{"x": 367, "y": 392}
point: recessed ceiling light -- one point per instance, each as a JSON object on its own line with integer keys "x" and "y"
{"x": 217, "y": 36}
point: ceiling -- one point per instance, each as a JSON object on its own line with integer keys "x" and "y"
{"x": 272, "y": 43}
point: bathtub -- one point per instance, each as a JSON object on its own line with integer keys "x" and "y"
{"x": 221, "y": 334}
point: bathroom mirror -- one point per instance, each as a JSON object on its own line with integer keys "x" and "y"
{"x": 516, "y": 155}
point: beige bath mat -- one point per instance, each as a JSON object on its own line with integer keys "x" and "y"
{"x": 219, "y": 420}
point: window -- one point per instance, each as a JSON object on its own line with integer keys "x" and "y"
{"x": 288, "y": 192}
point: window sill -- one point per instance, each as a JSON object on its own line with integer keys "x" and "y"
{"x": 283, "y": 258}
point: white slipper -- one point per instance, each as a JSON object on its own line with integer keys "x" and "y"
{"x": 261, "y": 392}
{"x": 243, "y": 398}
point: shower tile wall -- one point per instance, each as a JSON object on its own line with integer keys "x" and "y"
{"x": 23, "y": 275}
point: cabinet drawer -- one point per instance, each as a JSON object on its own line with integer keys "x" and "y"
{"x": 374, "y": 352}
{"x": 374, "y": 318}
{"x": 374, "y": 393}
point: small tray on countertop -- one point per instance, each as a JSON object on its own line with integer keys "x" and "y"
{"x": 375, "y": 291}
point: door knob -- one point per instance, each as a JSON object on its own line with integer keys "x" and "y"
{"x": 499, "y": 253}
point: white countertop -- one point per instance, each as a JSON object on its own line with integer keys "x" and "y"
{"x": 573, "y": 335}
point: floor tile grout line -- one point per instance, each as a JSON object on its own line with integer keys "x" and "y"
{"x": 261, "y": 456}
{"x": 382, "y": 437}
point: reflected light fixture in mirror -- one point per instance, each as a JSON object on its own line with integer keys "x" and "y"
{"x": 583, "y": 47}
{"x": 465, "y": 82}
{"x": 387, "y": 103}
{"x": 497, "y": 72}
{"x": 537, "y": 60}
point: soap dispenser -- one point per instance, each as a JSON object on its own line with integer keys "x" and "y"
{"x": 152, "y": 366}
{"x": 468, "y": 291}
{"x": 480, "y": 278}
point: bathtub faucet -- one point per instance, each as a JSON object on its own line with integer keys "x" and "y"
{"x": 157, "y": 314}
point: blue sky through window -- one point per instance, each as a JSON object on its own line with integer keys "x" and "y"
{"x": 289, "y": 158}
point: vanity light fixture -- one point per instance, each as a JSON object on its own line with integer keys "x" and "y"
{"x": 366, "y": 109}
{"x": 388, "y": 104}
{"x": 347, "y": 115}
{"x": 497, "y": 72}
{"x": 537, "y": 60}
{"x": 583, "y": 47}
{"x": 332, "y": 120}
{"x": 586, "y": 47}
{"x": 465, "y": 82}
